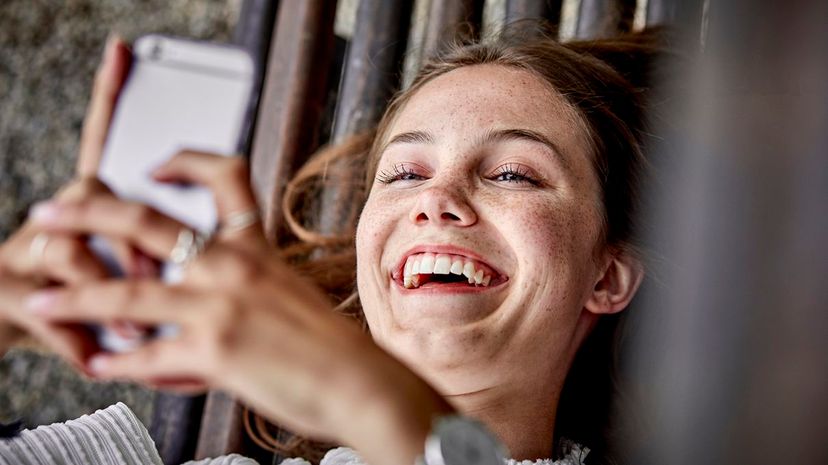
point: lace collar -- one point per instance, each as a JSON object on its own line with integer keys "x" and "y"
{"x": 574, "y": 454}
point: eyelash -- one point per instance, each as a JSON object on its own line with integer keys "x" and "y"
{"x": 516, "y": 173}
{"x": 399, "y": 173}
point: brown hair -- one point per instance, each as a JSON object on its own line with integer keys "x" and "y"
{"x": 606, "y": 81}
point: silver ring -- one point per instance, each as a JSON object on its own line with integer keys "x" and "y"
{"x": 37, "y": 248}
{"x": 188, "y": 246}
{"x": 239, "y": 221}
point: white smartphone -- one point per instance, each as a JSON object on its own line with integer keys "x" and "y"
{"x": 179, "y": 94}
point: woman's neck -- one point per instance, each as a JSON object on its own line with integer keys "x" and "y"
{"x": 521, "y": 414}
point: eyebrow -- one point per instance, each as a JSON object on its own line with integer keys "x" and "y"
{"x": 411, "y": 137}
{"x": 490, "y": 136}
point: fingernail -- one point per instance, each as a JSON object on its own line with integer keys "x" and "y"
{"x": 109, "y": 50}
{"x": 44, "y": 212}
{"x": 98, "y": 364}
{"x": 41, "y": 302}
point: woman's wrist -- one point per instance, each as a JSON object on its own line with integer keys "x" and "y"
{"x": 391, "y": 414}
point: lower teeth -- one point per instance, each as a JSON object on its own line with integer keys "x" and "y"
{"x": 414, "y": 282}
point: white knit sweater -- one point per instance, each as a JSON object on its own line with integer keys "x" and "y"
{"x": 115, "y": 436}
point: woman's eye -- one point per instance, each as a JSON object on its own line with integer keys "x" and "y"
{"x": 398, "y": 173}
{"x": 513, "y": 173}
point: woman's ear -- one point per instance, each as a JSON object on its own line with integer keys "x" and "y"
{"x": 617, "y": 285}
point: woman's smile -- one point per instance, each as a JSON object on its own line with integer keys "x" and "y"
{"x": 445, "y": 268}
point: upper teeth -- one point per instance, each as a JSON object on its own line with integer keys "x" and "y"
{"x": 429, "y": 263}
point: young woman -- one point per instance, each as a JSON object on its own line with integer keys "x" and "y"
{"x": 494, "y": 246}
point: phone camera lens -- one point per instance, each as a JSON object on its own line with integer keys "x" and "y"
{"x": 155, "y": 51}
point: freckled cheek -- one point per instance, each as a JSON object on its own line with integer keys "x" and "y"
{"x": 550, "y": 240}
{"x": 380, "y": 217}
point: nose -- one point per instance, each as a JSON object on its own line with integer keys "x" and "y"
{"x": 443, "y": 205}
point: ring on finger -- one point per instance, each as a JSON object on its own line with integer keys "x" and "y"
{"x": 37, "y": 248}
{"x": 188, "y": 246}
{"x": 239, "y": 221}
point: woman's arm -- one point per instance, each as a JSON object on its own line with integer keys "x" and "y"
{"x": 247, "y": 323}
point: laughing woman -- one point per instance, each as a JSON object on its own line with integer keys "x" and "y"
{"x": 494, "y": 255}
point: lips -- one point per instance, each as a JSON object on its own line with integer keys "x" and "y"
{"x": 445, "y": 267}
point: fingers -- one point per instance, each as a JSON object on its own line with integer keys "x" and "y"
{"x": 168, "y": 363}
{"x": 150, "y": 231}
{"x": 68, "y": 260}
{"x": 60, "y": 258}
{"x": 12, "y": 292}
{"x": 131, "y": 261}
{"x": 69, "y": 341}
{"x": 229, "y": 180}
{"x": 108, "y": 82}
{"x": 105, "y": 302}
{"x": 82, "y": 187}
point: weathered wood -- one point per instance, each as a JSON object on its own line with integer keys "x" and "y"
{"x": 450, "y": 20}
{"x": 374, "y": 64}
{"x": 549, "y": 10}
{"x": 373, "y": 72}
{"x": 253, "y": 32}
{"x": 175, "y": 424}
{"x": 292, "y": 100}
{"x": 222, "y": 430}
{"x": 604, "y": 18}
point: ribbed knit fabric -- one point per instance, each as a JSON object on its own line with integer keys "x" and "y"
{"x": 113, "y": 436}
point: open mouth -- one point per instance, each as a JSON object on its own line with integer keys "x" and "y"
{"x": 429, "y": 270}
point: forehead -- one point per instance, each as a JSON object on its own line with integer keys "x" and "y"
{"x": 488, "y": 97}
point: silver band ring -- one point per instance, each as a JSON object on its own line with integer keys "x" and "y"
{"x": 239, "y": 221}
{"x": 37, "y": 248}
{"x": 188, "y": 246}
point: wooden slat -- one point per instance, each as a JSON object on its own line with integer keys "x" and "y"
{"x": 221, "y": 428}
{"x": 292, "y": 100}
{"x": 449, "y": 20}
{"x": 175, "y": 424}
{"x": 373, "y": 72}
{"x": 253, "y": 32}
{"x": 374, "y": 63}
{"x": 604, "y": 18}
{"x": 549, "y": 10}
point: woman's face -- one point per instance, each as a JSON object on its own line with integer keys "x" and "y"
{"x": 486, "y": 168}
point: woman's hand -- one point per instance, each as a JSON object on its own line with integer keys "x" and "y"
{"x": 31, "y": 259}
{"x": 247, "y": 322}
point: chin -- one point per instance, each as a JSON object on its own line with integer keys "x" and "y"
{"x": 440, "y": 345}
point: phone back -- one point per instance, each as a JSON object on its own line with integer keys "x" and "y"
{"x": 180, "y": 94}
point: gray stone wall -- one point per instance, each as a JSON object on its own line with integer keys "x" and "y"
{"x": 48, "y": 53}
